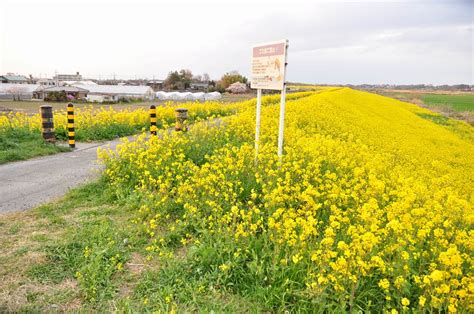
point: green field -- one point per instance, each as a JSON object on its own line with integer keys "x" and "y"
{"x": 456, "y": 106}
{"x": 458, "y": 103}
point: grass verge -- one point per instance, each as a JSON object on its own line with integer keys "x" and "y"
{"x": 82, "y": 254}
{"x": 21, "y": 144}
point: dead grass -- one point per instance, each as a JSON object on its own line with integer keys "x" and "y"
{"x": 24, "y": 237}
{"x": 21, "y": 247}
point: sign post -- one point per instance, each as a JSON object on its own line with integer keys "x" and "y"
{"x": 281, "y": 127}
{"x": 257, "y": 122}
{"x": 269, "y": 72}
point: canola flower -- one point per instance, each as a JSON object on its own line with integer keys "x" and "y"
{"x": 96, "y": 123}
{"x": 370, "y": 208}
{"x": 106, "y": 122}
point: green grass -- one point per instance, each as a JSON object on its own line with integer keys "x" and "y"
{"x": 82, "y": 253}
{"x": 21, "y": 144}
{"x": 436, "y": 118}
{"x": 456, "y": 102}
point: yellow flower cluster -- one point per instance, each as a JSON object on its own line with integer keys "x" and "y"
{"x": 92, "y": 123}
{"x": 372, "y": 203}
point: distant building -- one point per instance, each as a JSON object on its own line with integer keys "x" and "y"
{"x": 77, "y": 92}
{"x": 46, "y": 82}
{"x": 68, "y": 77}
{"x": 156, "y": 84}
{"x": 13, "y": 79}
{"x": 199, "y": 86}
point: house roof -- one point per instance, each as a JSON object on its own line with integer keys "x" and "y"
{"x": 85, "y": 82}
{"x": 118, "y": 89}
{"x": 65, "y": 89}
{"x": 20, "y": 78}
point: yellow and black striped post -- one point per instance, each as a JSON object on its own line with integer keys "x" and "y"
{"x": 71, "y": 132}
{"x": 181, "y": 117}
{"x": 47, "y": 124}
{"x": 153, "y": 127}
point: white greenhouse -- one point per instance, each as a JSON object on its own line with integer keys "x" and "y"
{"x": 18, "y": 91}
{"x": 101, "y": 93}
{"x": 213, "y": 96}
{"x": 187, "y": 96}
{"x": 199, "y": 96}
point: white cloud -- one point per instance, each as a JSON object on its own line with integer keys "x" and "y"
{"x": 342, "y": 42}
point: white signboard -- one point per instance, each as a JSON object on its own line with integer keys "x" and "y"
{"x": 268, "y": 65}
{"x": 269, "y": 72}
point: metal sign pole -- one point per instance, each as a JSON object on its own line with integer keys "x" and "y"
{"x": 257, "y": 122}
{"x": 282, "y": 109}
{"x": 282, "y": 121}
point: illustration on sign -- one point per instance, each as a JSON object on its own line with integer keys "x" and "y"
{"x": 268, "y": 66}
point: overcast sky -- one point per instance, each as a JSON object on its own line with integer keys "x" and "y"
{"x": 399, "y": 42}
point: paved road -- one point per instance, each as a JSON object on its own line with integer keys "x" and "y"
{"x": 27, "y": 184}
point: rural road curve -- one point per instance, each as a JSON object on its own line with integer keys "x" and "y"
{"x": 27, "y": 184}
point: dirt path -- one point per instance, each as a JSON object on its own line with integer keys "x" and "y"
{"x": 27, "y": 184}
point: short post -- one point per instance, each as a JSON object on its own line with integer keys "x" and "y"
{"x": 153, "y": 127}
{"x": 71, "y": 132}
{"x": 47, "y": 125}
{"x": 181, "y": 117}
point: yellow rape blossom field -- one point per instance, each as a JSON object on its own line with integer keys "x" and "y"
{"x": 106, "y": 123}
{"x": 20, "y": 133}
{"x": 370, "y": 209}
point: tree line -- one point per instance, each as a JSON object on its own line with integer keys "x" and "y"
{"x": 182, "y": 79}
